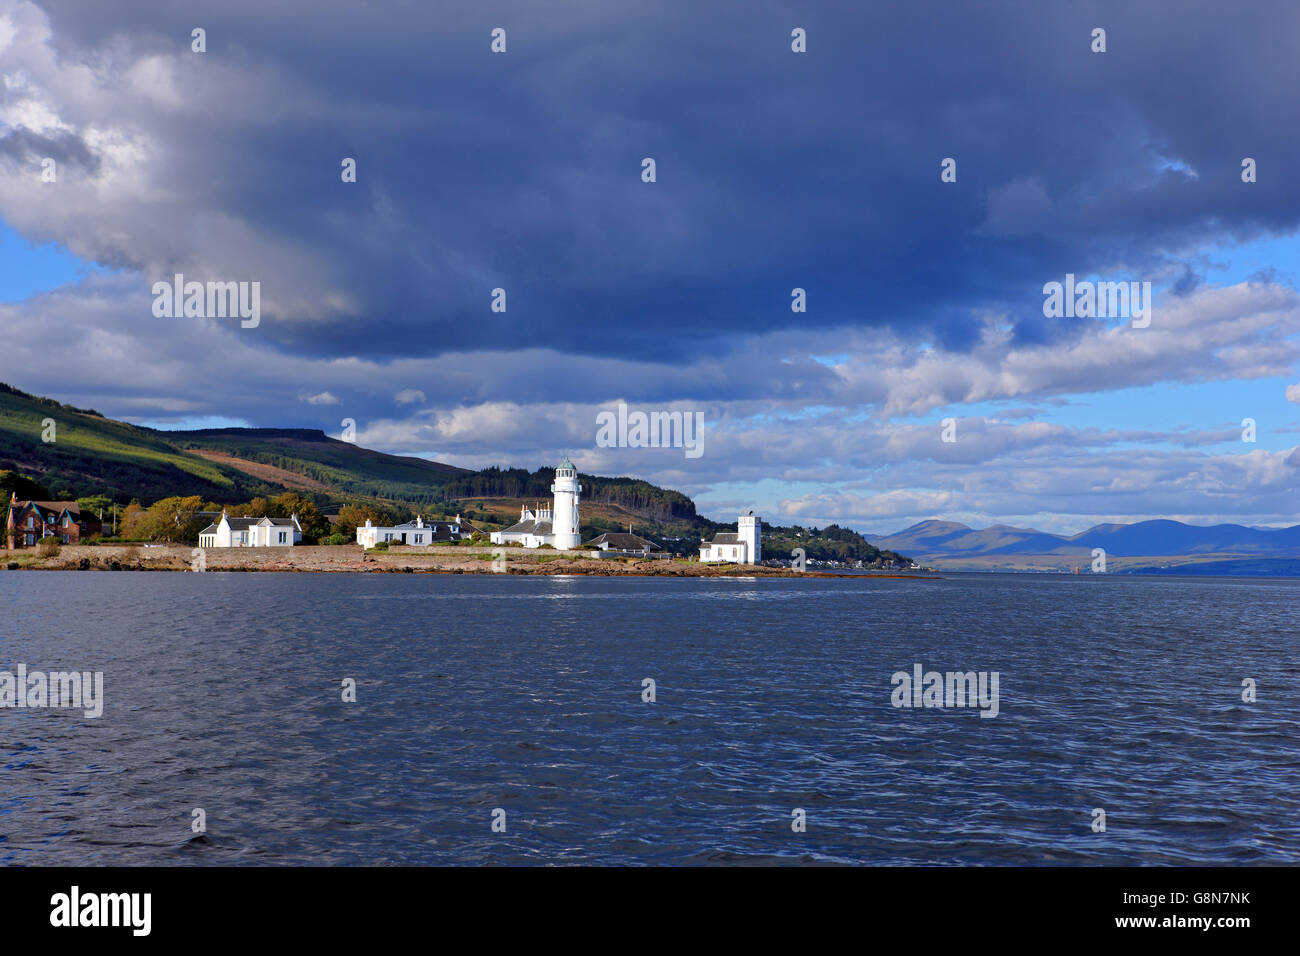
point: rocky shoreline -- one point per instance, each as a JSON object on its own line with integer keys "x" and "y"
{"x": 351, "y": 558}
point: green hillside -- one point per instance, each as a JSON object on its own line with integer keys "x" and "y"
{"x": 94, "y": 455}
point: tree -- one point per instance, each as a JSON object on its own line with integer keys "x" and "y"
{"x": 94, "y": 504}
{"x": 314, "y": 525}
{"x": 353, "y": 516}
{"x": 12, "y": 483}
{"x": 257, "y": 508}
{"x": 171, "y": 519}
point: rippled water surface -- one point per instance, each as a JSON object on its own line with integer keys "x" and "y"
{"x": 524, "y": 693}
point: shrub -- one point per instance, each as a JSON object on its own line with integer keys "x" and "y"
{"x": 47, "y": 547}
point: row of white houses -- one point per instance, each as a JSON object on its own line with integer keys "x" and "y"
{"x": 553, "y": 526}
{"x": 744, "y": 546}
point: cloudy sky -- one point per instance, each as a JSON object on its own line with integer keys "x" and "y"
{"x": 775, "y": 170}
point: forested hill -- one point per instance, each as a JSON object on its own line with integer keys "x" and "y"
{"x": 659, "y": 504}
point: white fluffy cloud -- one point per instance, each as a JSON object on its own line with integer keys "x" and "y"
{"x": 321, "y": 398}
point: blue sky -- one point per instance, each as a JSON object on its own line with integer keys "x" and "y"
{"x": 29, "y": 268}
{"x": 775, "y": 170}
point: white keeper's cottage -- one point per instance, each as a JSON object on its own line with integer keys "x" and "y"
{"x": 743, "y": 547}
{"x": 230, "y": 532}
{"x": 418, "y": 533}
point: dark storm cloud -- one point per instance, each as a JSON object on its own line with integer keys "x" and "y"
{"x": 23, "y": 148}
{"x": 775, "y": 170}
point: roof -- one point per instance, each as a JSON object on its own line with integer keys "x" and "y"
{"x": 622, "y": 541}
{"x": 243, "y": 524}
{"x": 566, "y": 464}
{"x": 529, "y": 527}
{"x": 48, "y": 505}
{"x": 727, "y": 537}
{"x": 436, "y": 531}
{"x": 427, "y": 523}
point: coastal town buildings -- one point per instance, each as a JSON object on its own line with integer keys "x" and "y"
{"x": 745, "y": 546}
{"x": 251, "y": 533}
{"x": 30, "y": 521}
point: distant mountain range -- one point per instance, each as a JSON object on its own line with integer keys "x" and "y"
{"x": 1147, "y": 546}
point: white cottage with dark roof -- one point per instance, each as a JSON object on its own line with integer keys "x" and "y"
{"x": 618, "y": 541}
{"x": 418, "y": 533}
{"x": 532, "y": 530}
{"x": 743, "y": 547}
{"x": 252, "y": 533}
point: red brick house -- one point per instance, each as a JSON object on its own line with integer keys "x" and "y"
{"x": 29, "y": 521}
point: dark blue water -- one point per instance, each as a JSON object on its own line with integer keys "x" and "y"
{"x": 524, "y": 693}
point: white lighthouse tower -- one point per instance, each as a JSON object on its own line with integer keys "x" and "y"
{"x": 749, "y": 530}
{"x": 564, "y": 518}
